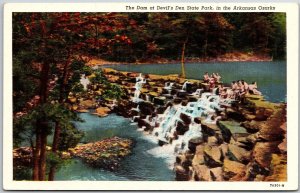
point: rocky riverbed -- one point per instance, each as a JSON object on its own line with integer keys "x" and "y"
{"x": 212, "y": 140}
{"x": 107, "y": 153}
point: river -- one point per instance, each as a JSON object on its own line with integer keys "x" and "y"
{"x": 145, "y": 162}
{"x": 270, "y": 76}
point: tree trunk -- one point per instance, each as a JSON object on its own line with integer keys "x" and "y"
{"x": 56, "y": 137}
{"x": 39, "y": 157}
{"x": 57, "y": 131}
{"x": 36, "y": 155}
{"x": 42, "y": 165}
{"x": 44, "y": 83}
{"x": 182, "y": 61}
{"x": 54, "y": 149}
{"x": 182, "y": 57}
{"x": 52, "y": 173}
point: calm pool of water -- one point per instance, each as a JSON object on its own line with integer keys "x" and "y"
{"x": 140, "y": 165}
{"x": 270, "y": 76}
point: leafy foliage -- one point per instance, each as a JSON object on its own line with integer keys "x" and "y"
{"x": 70, "y": 137}
{"x": 110, "y": 90}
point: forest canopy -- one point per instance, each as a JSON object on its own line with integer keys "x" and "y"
{"x": 146, "y": 36}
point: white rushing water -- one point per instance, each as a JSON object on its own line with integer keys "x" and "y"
{"x": 204, "y": 108}
{"x": 84, "y": 81}
{"x": 140, "y": 80}
{"x": 185, "y": 85}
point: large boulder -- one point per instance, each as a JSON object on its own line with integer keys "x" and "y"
{"x": 224, "y": 149}
{"x": 159, "y": 100}
{"x": 199, "y": 156}
{"x": 142, "y": 123}
{"x": 185, "y": 118}
{"x": 181, "y": 173}
{"x": 181, "y": 94}
{"x": 160, "y": 109}
{"x": 212, "y": 140}
{"x": 181, "y": 128}
{"x": 202, "y": 173}
{"x": 252, "y": 126}
{"x": 192, "y": 99}
{"x": 262, "y": 152}
{"x": 146, "y": 108}
{"x": 124, "y": 108}
{"x": 270, "y": 132}
{"x": 261, "y": 114}
{"x": 233, "y": 169}
{"x": 88, "y": 103}
{"x": 235, "y": 114}
{"x": 102, "y": 111}
{"x": 194, "y": 142}
{"x": 239, "y": 154}
{"x": 212, "y": 156}
{"x": 216, "y": 174}
{"x": 208, "y": 130}
{"x": 231, "y": 128}
{"x": 245, "y": 142}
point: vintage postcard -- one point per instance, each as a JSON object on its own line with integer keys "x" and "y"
{"x": 151, "y": 96}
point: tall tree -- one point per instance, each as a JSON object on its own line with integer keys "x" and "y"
{"x": 52, "y": 41}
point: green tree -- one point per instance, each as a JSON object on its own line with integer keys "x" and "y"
{"x": 52, "y": 45}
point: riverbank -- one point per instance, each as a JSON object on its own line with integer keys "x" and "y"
{"x": 228, "y": 57}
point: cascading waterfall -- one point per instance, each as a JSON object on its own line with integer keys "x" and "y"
{"x": 214, "y": 91}
{"x": 138, "y": 85}
{"x": 194, "y": 131}
{"x": 166, "y": 124}
{"x": 198, "y": 92}
{"x": 184, "y": 85}
{"x": 84, "y": 81}
{"x": 148, "y": 98}
{"x": 205, "y": 107}
{"x": 169, "y": 87}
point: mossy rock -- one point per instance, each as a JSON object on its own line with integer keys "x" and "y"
{"x": 231, "y": 128}
{"x": 257, "y": 101}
